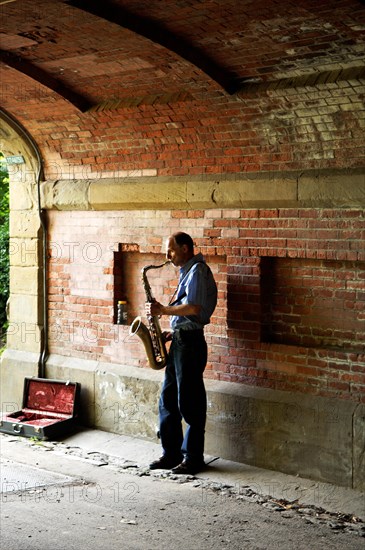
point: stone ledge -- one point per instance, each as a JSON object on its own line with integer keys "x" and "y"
{"x": 304, "y": 435}
{"x": 297, "y": 434}
{"x": 311, "y": 189}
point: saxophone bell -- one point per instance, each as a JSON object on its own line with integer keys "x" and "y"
{"x": 156, "y": 360}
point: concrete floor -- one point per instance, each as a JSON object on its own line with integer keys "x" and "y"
{"x": 94, "y": 489}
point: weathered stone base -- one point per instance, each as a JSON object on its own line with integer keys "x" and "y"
{"x": 313, "y": 437}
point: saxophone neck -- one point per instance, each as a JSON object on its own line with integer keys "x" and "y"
{"x": 146, "y": 284}
{"x": 148, "y": 267}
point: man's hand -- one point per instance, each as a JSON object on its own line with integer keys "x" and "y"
{"x": 167, "y": 335}
{"x": 153, "y": 309}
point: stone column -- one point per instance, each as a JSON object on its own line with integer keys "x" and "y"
{"x": 25, "y": 306}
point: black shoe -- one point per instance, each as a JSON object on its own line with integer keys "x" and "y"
{"x": 164, "y": 463}
{"x": 189, "y": 467}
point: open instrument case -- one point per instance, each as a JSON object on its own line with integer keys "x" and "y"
{"x": 50, "y": 409}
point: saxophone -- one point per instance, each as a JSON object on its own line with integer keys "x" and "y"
{"x": 151, "y": 336}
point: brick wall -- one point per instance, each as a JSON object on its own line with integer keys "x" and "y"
{"x": 291, "y": 285}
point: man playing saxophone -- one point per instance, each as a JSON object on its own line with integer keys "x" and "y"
{"x": 183, "y": 393}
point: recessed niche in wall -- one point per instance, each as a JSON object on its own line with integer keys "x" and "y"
{"x": 313, "y": 303}
{"x": 128, "y": 285}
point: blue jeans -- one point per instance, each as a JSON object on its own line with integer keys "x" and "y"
{"x": 183, "y": 396}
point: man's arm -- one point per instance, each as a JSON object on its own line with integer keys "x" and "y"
{"x": 155, "y": 308}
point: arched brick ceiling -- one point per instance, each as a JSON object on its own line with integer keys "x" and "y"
{"x": 88, "y": 54}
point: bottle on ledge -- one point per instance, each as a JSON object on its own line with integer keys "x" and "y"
{"x": 122, "y": 313}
